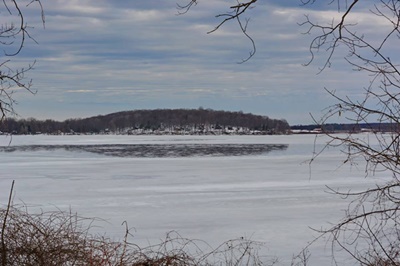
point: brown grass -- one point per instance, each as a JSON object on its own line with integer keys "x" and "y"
{"x": 64, "y": 238}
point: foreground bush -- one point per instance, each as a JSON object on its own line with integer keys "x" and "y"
{"x": 63, "y": 238}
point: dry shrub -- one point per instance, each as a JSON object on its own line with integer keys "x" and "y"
{"x": 64, "y": 238}
{"x": 52, "y": 238}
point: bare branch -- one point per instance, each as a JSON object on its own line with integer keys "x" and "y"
{"x": 236, "y": 12}
{"x": 14, "y": 36}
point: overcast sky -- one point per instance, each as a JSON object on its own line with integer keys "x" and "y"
{"x": 97, "y": 57}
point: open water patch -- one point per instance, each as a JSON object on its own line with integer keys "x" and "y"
{"x": 158, "y": 150}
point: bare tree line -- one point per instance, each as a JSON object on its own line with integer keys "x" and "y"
{"x": 160, "y": 119}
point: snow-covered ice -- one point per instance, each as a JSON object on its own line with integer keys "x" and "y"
{"x": 273, "y": 196}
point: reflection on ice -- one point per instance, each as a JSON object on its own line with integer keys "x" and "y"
{"x": 159, "y": 150}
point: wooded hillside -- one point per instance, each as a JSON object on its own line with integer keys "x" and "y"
{"x": 160, "y": 121}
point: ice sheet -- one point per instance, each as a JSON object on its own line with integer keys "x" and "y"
{"x": 273, "y": 197}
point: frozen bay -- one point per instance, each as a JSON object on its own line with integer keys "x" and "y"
{"x": 212, "y": 188}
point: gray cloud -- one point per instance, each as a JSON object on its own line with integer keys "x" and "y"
{"x": 101, "y": 56}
